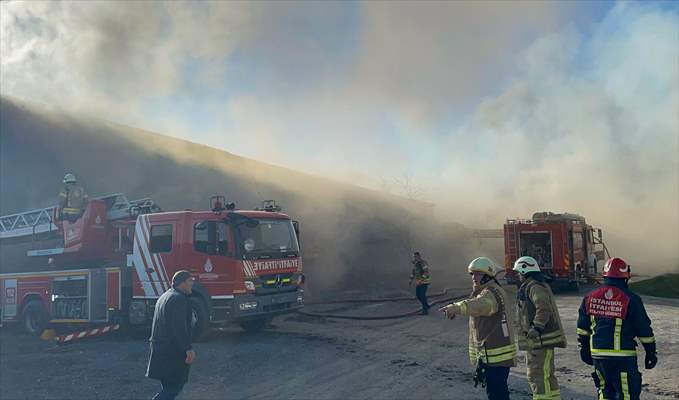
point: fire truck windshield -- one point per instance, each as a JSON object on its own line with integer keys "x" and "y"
{"x": 269, "y": 238}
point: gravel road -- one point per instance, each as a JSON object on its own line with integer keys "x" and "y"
{"x": 309, "y": 358}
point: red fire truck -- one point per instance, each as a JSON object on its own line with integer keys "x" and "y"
{"x": 112, "y": 264}
{"x": 566, "y": 248}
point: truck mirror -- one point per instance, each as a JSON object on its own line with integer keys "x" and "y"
{"x": 598, "y": 232}
{"x": 295, "y": 224}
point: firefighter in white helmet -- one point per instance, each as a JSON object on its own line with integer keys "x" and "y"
{"x": 72, "y": 199}
{"x": 540, "y": 329}
{"x": 492, "y": 345}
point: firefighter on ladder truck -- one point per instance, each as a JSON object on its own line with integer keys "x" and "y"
{"x": 72, "y": 199}
{"x": 609, "y": 319}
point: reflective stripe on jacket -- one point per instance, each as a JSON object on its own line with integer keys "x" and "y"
{"x": 491, "y": 333}
{"x": 537, "y": 308}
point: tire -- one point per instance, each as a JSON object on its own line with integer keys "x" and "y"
{"x": 200, "y": 324}
{"x": 255, "y": 325}
{"x": 34, "y": 318}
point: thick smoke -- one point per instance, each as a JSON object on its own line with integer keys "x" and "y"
{"x": 499, "y": 110}
{"x": 588, "y": 126}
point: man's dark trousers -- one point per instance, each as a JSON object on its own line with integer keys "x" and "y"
{"x": 421, "y": 294}
{"x": 170, "y": 390}
{"x": 496, "y": 383}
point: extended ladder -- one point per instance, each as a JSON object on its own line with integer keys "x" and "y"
{"x": 41, "y": 220}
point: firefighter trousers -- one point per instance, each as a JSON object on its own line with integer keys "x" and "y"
{"x": 540, "y": 372}
{"x": 617, "y": 378}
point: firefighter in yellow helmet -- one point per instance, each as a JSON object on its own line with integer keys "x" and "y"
{"x": 72, "y": 199}
{"x": 540, "y": 329}
{"x": 492, "y": 345}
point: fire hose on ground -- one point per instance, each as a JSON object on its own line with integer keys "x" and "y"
{"x": 385, "y": 300}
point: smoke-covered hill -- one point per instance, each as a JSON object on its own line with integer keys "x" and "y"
{"x": 353, "y": 238}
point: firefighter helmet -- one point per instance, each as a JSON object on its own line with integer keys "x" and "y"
{"x": 482, "y": 264}
{"x": 526, "y": 264}
{"x": 617, "y": 268}
{"x": 69, "y": 178}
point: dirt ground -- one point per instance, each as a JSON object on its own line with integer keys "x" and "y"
{"x": 308, "y": 358}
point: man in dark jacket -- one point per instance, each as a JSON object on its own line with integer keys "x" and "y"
{"x": 609, "y": 319}
{"x": 171, "y": 353}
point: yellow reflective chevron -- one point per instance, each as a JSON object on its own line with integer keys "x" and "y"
{"x": 497, "y": 355}
{"x": 551, "y": 335}
{"x": 650, "y": 339}
{"x": 545, "y": 370}
{"x": 501, "y": 350}
{"x": 602, "y": 384}
{"x": 616, "y": 334}
{"x": 557, "y": 339}
{"x": 613, "y": 353}
{"x": 624, "y": 385}
{"x": 592, "y": 324}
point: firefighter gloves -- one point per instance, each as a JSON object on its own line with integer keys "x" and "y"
{"x": 533, "y": 334}
{"x": 651, "y": 357}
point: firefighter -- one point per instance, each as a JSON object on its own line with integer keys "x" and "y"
{"x": 72, "y": 199}
{"x": 540, "y": 329}
{"x": 609, "y": 319}
{"x": 492, "y": 346}
{"x": 420, "y": 274}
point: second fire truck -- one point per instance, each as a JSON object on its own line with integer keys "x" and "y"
{"x": 565, "y": 246}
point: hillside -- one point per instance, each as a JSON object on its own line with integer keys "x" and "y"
{"x": 347, "y": 231}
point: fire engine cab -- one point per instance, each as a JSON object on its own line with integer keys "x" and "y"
{"x": 565, "y": 246}
{"x": 113, "y": 263}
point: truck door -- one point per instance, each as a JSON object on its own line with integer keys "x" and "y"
{"x": 212, "y": 257}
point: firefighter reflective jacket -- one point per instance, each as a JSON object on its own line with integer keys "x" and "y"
{"x": 537, "y": 308}
{"x": 420, "y": 272}
{"x": 72, "y": 200}
{"x": 612, "y": 316}
{"x": 491, "y": 333}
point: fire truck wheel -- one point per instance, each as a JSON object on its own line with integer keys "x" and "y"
{"x": 255, "y": 325}
{"x": 34, "y": 318}
{"x": 199, "y": 319}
